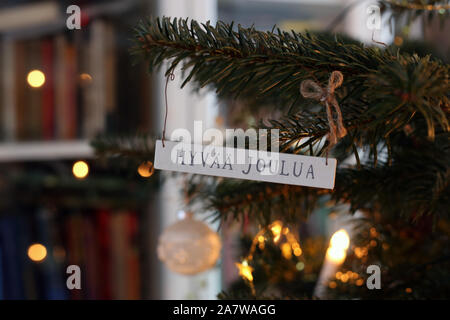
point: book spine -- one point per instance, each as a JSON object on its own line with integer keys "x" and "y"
{"x": 133, "y": 274}
{"x": 13, "y": 282}
{"x": 8, "y": 90}
{"x": 19, "y": 92}
{"x": 48, "y": 90}
{"x": 92, "y": 269}
{"x": 33, "y": 114}
{"x": 104, "y": 254}
{"x": 119, "y": 255}
{"x": 71, "y": 93}
{"x": 95, "y": 107}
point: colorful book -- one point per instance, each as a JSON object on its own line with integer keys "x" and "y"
{"x": 48, "y": 102}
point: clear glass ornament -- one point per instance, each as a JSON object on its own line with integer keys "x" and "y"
{"x": 189, "y": 246}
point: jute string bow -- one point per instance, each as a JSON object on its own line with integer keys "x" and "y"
{"x": 310, "y": 89}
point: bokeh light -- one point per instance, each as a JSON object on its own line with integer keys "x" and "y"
{"x": 36, "y": 78}
{"x": 340, "y": 240}
{"x": 80, "y": 169}
{"x": 336, "y": 255}
{"x": 37, "y": 252}
{"x": 146, "y": 169}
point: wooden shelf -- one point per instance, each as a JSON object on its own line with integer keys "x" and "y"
{"x": 44, "y": 151}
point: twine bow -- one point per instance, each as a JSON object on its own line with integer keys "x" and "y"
{"x": 310, "y": 89}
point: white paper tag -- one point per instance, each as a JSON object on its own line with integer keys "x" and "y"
{"x": 246, "y": 164}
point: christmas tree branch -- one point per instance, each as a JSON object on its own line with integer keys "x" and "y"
{"x": 246, "y": 62}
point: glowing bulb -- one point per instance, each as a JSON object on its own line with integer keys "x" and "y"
{"x": 80, "y": 169}
{"x": 297, "y": 252}
{"x": 286, "y": 250}
{"x": 336, "y": 255}
{"x": 85, "y": 77}
{"x": 37, "y": 252}
{"x": 340, "y": 240}
{"x": 276, "y": 230}
{"x": 36, "y": 78}
{"x": 300, "y": 266}
{"x": 146, "y": 169}
{"x": 245, "y": 271}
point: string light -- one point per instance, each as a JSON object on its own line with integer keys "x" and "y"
{"x": 85, "y": 77}
{"x": 359, "y": 282}
{"x": 36, "y": 78}
{"x": 340, "y": 240}
{"x": 291, "y": 246}
{"x": 80, "y": 169}
{"x": 286, "y": 250}
{"x": 146, "y": 169}
{"x": 339, "y": 243}
{"x": 336, "y": 255}
{"x": 245, "y": 270}
{"x": 37, "y": 252}
{"x": 276, "y": 230}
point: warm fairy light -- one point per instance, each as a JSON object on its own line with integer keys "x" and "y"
{"x": 297, "y": 252}
{"x": 300, "y": 266}
{"x": 276, "y": 230}
{"x": 340, "y": 240}
{"x": 332, "y": 284}
{"x": 398, "y": 41}
{"x": 80, "y": 169}
{"x": 36, "y": 78}
{"x": 85, "y": 77}
{"x": 358, "y": 252}
{"x": 338, "y": 275}
{"x": 344, "y": 277}
{"x": 146, "y": 169}
{"x": 37, "y": 252}
{"x": 339, "y": 244}
{"x": 336, "y": 255}
{"x": 359, "y": 282}
{"x": 408, "y": 290}
{"x": 261, "y": 239}
{"x": 286, "y": 250}
{"x": 245, "y": 271}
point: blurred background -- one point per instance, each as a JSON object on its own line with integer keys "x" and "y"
{"x": 61, "y": 88}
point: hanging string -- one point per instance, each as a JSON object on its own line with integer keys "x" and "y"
{"x": 378, "y": 42}
{"x": 311, "y": 89}
{"x": 170, "y": 77}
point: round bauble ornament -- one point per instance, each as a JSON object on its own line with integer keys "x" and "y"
{"x": 189, "y": 246}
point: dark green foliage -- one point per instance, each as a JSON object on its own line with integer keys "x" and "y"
{"x": 396, "y": 109}
{"x": 413, "y": 9}
{"x": 381, "y": 93}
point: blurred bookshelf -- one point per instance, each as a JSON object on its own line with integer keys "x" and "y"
{"x": 63, "y": 85}
{"x": 59, "y": 89}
